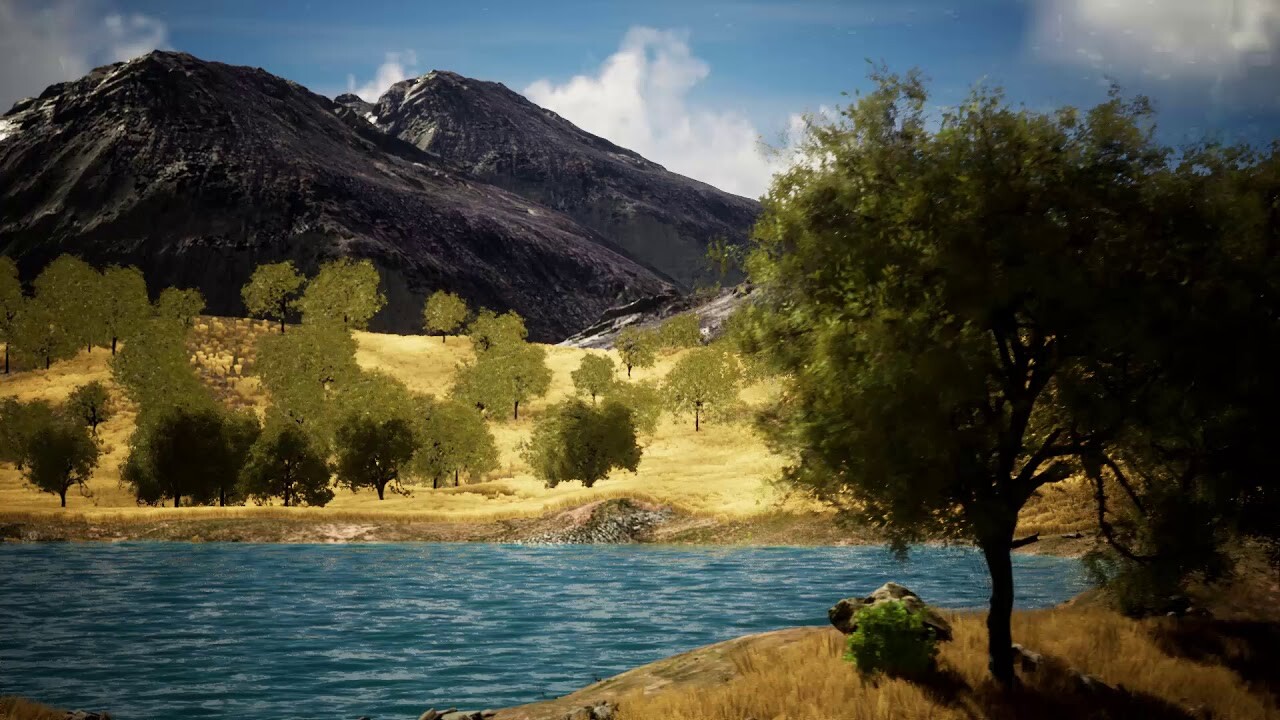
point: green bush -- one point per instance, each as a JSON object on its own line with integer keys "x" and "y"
{"x": 891, "y": 639}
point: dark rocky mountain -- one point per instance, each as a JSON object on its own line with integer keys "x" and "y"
{"x": 660, "y": 218}
{"x": 198, "y": 171}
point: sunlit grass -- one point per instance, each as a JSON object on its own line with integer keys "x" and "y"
{"x": 808, "y": 679}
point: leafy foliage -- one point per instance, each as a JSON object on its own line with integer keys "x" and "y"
{"x": 304, "y": 370}
{"x": 891, "y": 639}
{"x": 181, "y": 452}
{"x": 637, "y": 347}
{"x": 154, "y": 370}
{"x": 58, "y": 454}
{"x": 576, "y": 441}
{"x": 704, "y": 381}
{"x": 125, "y": 305}
{"x": 443, "y": 313}
{"x": 454, "y": 440}
{"x": 71, "y": 290}
{"x": 374, "y": 454}
{"x": 489, "y": 331}
{"x": 643, "y": 399}
{"x": 181, "y": 305}
{"x": 18, "y": 421}
{"x": 271, "y": 291}
{"x": 11, "y": 302}
{"x": 680, "y": 331}
{"x": 346, "y": 292}
{"x": 285, "y": 463}
{"x": 594, "y": 376}
{"x": 506, "y": 375}
{"x": 91, "y": 405}
{"x": 38, "y": 338}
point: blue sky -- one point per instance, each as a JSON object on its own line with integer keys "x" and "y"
{"x": 692, "y": 84}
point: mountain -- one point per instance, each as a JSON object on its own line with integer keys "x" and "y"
{"x": 658, "y": 217}
{"x": 199, "y": 171}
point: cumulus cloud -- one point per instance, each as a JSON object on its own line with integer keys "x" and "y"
{"x": 638, "y": 98}
{"x": 1170, "y": 39}
{"x": 396, "y": 67}
{"x": 46, "y": 43}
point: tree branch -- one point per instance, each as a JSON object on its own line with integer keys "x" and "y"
{"x": 1094, "y": 470}
{"x": 1021, "y": 542}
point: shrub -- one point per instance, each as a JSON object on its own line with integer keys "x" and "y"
{"x": 891, "y": 639}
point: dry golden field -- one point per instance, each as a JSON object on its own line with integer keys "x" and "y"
{"x": 723, "y": 471}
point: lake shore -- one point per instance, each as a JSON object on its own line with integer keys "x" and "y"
{"x": 622, "y": 521}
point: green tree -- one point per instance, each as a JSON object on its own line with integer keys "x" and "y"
{"x": 38, "y": 336}
{"x": 286, "y": 463}
{"x": 345, "y": 292}
{"x": 489, "y": 331}
{"x": 272, "y": 291}
{"x": 125, "y": 306}
{"x": 18, "y": 421}
{"x": 576, "y": 441}
{"x": 240, "y": 429}
{"x": 454, "y": 440}
{"x": 11, "y": 302}
{"x": 703, "y": 381}
{"x": 177, "y": 452}
{"x": 374, "y": 454}
{"x": 58, "y": 455}
{"x": 949, "y": 308}
{"x": 643, "y": 399}
{"x": 637, "y": 347}
{"x": 154, "y": 369}
{"x": 594, "y": 376}
{"x": 505, "y": 375}
{"x": 91, "y": 405}
{"x": 71, "y": 290}
{"x": 304, "y": 370}
{"x": 444, "y": 313}
{"x": 182, "y": 305}
{"x": 680, "y": 331}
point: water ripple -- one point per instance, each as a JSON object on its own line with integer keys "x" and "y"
{"x": 157, "y": 631}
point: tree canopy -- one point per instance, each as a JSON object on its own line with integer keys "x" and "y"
{"x": 680, "y": 331}
{"x": 577, "y": 441}
{"x": 38, "y": 336}
{"x": 303, "y": 370}
{"x": 125, "y": 305}
{"x": 285, "y": 463}
{"x": 444, "y": 313}
{"x": 637, "y": 347}
{"x": 11, "y": 302}
{"x": 594, "y": 376}
{"x": 489, "y": 330}
{"x": 965, "y": 315}
{"x": 182, "y": 305}
{"x": 454, "y": 440}
{"x": 702, "y": 382}
{"x": 71, "y": 291}
{"x": 91, "y": 405}
{"x": 344, "y": 291}
{"x": 57, "y": 454}
{"x": 272, "y": 291}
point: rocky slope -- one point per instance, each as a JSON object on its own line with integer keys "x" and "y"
{"x": 712, "y": 309}
{"x": 198, "y": 171}
{"x": 660, "y": 218}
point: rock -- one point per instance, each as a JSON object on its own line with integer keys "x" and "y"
{"x": 84, "y": 715}
{"x": 462, "y": 715}
{"x": 1071, "y": 535}
{"x": 1027, "y": 660}
{"x": 602, "y": 711}
{"x": 429, "y": 715}
{"x": 842, "y": 613}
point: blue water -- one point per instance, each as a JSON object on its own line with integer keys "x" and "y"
{"x": 239, "y": 631}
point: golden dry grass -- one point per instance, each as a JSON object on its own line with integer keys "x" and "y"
{"x": 15, "y": 708}
{"x": 808, "y": 679}
{"x": 722, "y": 470}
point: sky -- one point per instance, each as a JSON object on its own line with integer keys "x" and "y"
{"x": 713, "y": 90}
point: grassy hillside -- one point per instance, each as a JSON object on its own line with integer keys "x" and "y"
{"x": 722, "y": 471}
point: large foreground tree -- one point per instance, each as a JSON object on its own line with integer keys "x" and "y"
{"x": 963, "y": 315}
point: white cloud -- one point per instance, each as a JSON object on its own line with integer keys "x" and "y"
{"x": 1206, "y": 39}
{"x": 397, "y": 66}
{"x": 62, "y": 40}
{"x": 638, "y": 99}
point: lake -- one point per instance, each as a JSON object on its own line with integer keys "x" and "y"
{"x": 155, "y": 631}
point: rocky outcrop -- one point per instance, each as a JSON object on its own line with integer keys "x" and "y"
{"x": 456, "y": 714}
{"x": 712, "y": 311}
{"x": 843, "y": 615}
{"x": 662, "y": 219}
{"x": 613, "y": 521}
{"x": 198, "y": 171}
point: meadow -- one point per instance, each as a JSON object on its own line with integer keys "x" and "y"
{"x": 723, "y": 472}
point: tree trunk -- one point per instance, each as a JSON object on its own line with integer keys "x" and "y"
{"x": 381, "y": 487}
{"x": 177, "y": 500}
{"x": 516, "y": 414}
{"x": 6, "y": 357}
{"x": 286, "y": 497}
{"x": 697, "y": 418}
{"x": 48, "y": 361}
{"x": 63, "y": 495}
{"x": 282, "y": 322}
{"x": 444, "y": 339}
{"x": 628, "y": 371}
{"x": 999, "y": 634}
{"x": 222, "y": 497}
{"x": 455, "y": 477}
{"x": 113, "y": 345}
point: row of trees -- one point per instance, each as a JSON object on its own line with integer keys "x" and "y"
{"x": 74, "y": 306}
{"x": 965, "y": 315}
